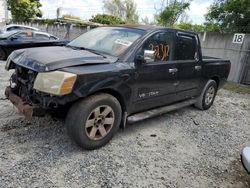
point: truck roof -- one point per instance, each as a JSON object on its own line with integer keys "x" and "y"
{"x": 149, "y": 28}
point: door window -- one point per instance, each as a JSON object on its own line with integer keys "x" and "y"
{"x": 41, "y": 37}
{"x": 24, "y": 35}
{"x": 185, "y": 48}
{"x": 160, "y": 46}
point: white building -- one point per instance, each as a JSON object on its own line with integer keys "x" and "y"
{"x": 4, "y": 13}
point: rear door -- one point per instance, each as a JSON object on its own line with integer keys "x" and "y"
{"x": 188, "y": 64}
{"x": 156, "y": 80}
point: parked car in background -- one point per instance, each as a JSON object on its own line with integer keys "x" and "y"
{"x": 14, "y": 27}
{"x": 113, "y": 75}
{"x": 245, "y": 158}
{"x": 13, "y": 40}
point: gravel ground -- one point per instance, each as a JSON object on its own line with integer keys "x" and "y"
{"x": 185, "y": 148}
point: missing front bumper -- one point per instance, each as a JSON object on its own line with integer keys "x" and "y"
{"x": 26, "y": 109}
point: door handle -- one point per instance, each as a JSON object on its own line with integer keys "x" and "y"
{"x": 197, "y": 67}
{"x": 173, "y": 70}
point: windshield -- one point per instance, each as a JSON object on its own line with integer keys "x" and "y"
{"x": 110, "y": 40}
{"x": 7, "y": 34}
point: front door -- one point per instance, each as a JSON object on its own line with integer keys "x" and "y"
{"x": 23, "y": 39}
{"x": 155, "y": 83}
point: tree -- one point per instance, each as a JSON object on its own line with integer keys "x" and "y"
{"x": 189, "y": 26}
{"x": 169, "y": 15}
{"x": 24, "y": 10}
{"x": 145, "y": 21}
{"x": 229, "y": 16}
{"x": 106, "y": 19}
{"x": 212, "y": 27}
{"x": 124, "y": 9}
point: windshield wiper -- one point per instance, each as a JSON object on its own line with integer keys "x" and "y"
{"x": 93, "y": 51}
{"x": 73, "y": 47}
{"x": 87, "y": 49}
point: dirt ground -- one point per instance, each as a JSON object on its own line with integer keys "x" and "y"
{"x": 185, "y": 148}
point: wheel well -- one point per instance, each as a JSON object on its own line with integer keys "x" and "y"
{"x": 115, "y": 94}
{"x": 217, "y": 80}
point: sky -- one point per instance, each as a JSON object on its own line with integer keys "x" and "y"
{"x": 86, "y": 8}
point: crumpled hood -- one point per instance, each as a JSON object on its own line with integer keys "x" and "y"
{"x": 45, "y": 59}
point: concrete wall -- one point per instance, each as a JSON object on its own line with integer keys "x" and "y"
{"x": 61, "y": 31}
{"x": 221, "y": 46}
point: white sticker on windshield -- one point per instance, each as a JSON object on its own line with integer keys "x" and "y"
{"x": 123, "y": 42}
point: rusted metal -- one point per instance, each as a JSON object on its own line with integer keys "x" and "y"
{"x": 23, "y": 108}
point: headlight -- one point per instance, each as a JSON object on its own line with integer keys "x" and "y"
{"x": 56, "y": 83}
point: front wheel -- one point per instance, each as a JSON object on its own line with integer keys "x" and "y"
{"x": 93, "y": 121}
{"x": 206, "y": 99}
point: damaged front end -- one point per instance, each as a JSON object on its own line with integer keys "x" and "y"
{"x": 21, "y": 93}
{"x": 28, "y": 100}
{"x": 26, "y": 109}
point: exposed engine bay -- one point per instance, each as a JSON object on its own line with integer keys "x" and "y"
{"x": 21, "y": 84}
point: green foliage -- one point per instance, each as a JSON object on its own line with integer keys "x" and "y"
{"x": 106, "y": 19}
{"x": 190, "y": 27}
{"x": 171, "y": 13}
{"x": 212, "y": 27}
{"x": 124, "y": 9}
{"x": 44, "y": 21}
{"x": 229, "y": 16}
{"x": 24, "y": 10}
{"x": 131, "y": 12}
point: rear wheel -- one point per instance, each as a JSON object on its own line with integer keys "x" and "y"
{"x": 93, "y": 121}
{"x": 206, "y": 99}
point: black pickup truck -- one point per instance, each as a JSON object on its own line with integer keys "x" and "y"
{"x": 111, "y": 76}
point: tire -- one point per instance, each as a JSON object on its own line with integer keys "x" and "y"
{"x": 206, "y": 99}
{"x": 93, "y": 121}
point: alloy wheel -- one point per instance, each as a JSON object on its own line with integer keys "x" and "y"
{"x": 99, "y": 122}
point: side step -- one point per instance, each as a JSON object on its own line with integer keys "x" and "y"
{"x": 158, "y": 111}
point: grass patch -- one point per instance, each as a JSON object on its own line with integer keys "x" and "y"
{"x": 237, "y": 88}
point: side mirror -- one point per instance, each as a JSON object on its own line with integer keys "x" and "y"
{"x": 149, "y": 56}
{"x": 139, "y": 59}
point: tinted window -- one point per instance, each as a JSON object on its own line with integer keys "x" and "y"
{"x": 24, "y": 35}
{"x": 7, "y": 34}
{"x": 162, "y": 45}
{"x": 41, "y": 37}
{"x": 185, "y": 48}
